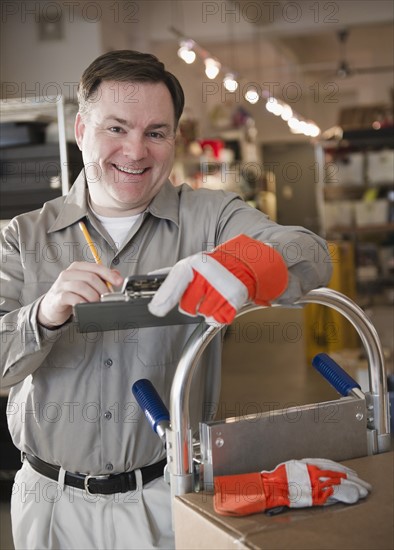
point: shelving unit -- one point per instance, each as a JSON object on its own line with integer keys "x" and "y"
{"x": 32, "y": 170}
{"x": 356, "y": 204}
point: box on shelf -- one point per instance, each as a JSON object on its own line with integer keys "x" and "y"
{"x": 371, "y": 212}
{"x": 367, "y": 273}
{"x": 346, "y": 170}
{"x": 338, "y": 213}
{"x": 367, "y": 262}
{"x": 380, "y": 167}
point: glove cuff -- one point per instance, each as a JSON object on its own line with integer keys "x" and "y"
{"x": 264, "y": 265}
{"x": 239, "y": 495}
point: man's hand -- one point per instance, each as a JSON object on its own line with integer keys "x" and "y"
{"x": 80, "y": 282}
{"x": 216, "y": 284}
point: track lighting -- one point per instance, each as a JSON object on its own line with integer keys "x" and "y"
{"x": 189, "y": 50}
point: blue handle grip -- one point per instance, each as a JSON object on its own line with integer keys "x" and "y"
{"x": 334, "y": 374}
{"x": 150, "y": 402}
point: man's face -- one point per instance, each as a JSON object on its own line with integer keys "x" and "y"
{"x": 127, "y": 141}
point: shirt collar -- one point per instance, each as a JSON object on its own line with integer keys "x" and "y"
{"x": 166, "y": 203}
{"x": 75, "y": 207}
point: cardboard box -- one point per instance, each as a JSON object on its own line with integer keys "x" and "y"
{"x": 338, "y": 213}
{"x": 362, "y": 526}
{"x": 346, "y": 170}
{"x": 380, "y": 167}
{"x": 371, "y": 212}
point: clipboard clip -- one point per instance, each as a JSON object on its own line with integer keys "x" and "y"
{"x": 135, "y": 286}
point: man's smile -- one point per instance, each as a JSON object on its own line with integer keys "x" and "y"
{"x": 126, "y": 170}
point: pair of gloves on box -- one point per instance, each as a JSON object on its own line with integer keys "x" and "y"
{"x": 292, "y": 484}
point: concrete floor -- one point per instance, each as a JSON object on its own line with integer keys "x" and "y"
{"x": 264, "y": 368}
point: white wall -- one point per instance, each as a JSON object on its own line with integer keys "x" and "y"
{"x": 30, "y": 66}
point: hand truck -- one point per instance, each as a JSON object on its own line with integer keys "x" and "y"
{"x": 254, "y": 443}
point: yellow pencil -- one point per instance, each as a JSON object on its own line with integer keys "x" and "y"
{"x": 93, "y": 250}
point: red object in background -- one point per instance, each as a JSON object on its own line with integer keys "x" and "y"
{"x": 215, "y": 144}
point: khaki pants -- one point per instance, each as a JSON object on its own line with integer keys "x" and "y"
{"x": 47, "y": 515}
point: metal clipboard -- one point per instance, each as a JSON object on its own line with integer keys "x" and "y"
{"x": 128, "y": 308}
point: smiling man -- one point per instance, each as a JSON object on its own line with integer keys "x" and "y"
{"x": 92, "y": 473}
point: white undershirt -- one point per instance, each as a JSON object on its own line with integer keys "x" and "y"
{"x": 118, "y": 228}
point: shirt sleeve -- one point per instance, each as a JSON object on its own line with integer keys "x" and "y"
{"x": 305, "y": 253}
{"x": 24, "y": 343}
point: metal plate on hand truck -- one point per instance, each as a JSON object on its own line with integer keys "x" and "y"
{"x": 336, "y": 430}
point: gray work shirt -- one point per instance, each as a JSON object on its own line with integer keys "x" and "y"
{"x": 70, "y": 400}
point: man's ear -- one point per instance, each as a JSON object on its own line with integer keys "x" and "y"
{"x": 79, "y": 129}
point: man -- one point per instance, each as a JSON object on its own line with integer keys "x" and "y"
{"x": 92, "y": 468}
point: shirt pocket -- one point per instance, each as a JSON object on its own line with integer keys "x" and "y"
{"x": 69, "y": 349}
{"x": 159, "y": 346}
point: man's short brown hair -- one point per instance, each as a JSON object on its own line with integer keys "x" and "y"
{"x": 128, "y": 66}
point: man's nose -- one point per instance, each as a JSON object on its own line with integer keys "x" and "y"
{"x": 135, "y": 148}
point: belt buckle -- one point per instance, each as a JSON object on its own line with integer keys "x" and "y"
{"x": 86, "y": 482}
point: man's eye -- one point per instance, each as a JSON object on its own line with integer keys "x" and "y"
{"x": 116, "y": 129}
{"x": 156, "y": 135}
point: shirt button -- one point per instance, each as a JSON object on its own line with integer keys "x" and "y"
{"x": 108, "y": 362}
{"x": 108, "y": 415}
{"x": 116, "y": 260}
{"x": 109, "y": 467}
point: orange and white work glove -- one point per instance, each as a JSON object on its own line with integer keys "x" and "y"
{"x": 216, "y": 284}
{"x": 295, "y": 484}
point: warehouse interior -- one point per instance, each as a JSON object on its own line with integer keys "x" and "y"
{"x": 313, "y": 147}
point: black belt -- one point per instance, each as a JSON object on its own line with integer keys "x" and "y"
{"x": 105, "y": 484}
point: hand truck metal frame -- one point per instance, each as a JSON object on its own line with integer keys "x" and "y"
{"x": 363, "y": 428}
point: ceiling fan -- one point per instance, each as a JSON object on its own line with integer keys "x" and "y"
{"x": 344, "y": 68}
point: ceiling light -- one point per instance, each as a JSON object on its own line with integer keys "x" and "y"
{"x": 271, "y": 102}
{"x": 186, "y": 52}
{"x": 287, "y": 113}
{"x": 294, "y": 124}
{"x": 230, "y": 83}
{"x": 274, "y": 106}
{"x": 212, "y": 67}
{"x": 252, "y": 96}
{"x": 303, "y": 127}
{"x": 314, "y": 130}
